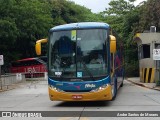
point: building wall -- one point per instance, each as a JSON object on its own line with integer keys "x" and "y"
{"x": 148, "y": 67}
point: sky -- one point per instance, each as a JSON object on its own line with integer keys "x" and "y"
{"x": 97, "y": 6}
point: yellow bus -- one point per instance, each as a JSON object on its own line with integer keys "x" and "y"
{"x": 85, "y": 62}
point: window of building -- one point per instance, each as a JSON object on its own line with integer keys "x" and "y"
{"x": 144, "y": 51}
{"x": 157, "y": 46}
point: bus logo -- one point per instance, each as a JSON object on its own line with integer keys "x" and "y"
{"x": 90, "y": 85}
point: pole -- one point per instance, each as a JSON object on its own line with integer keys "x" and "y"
{"x": 159, "y": 73}
{"x": 1, "y": 63}
{"x": 0, "y": 78}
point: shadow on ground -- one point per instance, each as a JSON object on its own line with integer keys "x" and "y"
{"x": 84, "y": 104}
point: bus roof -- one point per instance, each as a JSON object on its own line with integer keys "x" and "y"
{"x": 81, "y": 25}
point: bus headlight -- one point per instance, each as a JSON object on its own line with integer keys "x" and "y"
{"x": 100, "y": 88}
{"x": 56, "y": 89}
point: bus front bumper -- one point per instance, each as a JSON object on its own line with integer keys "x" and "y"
{"x": 100, "y": 95}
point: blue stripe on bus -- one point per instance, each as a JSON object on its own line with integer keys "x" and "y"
{"x": 85, "y": 85}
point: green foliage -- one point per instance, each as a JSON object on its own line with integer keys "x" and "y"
{"x": 119, "y": 7}
{"x": 150, "y": 15}
{"x": 127, "y": 20}
{"x": 68, "y": 12}
{"x": 22, "y": 22}
{"x": 122, "y": 16}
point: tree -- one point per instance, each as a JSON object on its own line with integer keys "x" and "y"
{"x": 22, "y": 22}
{"x": 150, "y": 16}
{"x": 120, "y": 7}
{"x": 33, "y": 19}
{"x": 122, "y": 16}
{"x": 68, "y": 12}
{"x": 8, "y": 28}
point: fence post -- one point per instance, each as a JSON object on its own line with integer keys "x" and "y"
{"x": 18, "y": 77}
{"x": 45, "y": 76}
{"x": 0, "y": 78}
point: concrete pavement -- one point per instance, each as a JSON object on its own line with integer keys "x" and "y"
{"x": 136, "y": 80}
{"x": 28, "y": 83}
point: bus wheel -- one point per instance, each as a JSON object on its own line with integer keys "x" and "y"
{"x": 114, "y": 89}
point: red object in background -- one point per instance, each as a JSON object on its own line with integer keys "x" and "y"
{"x": 31, "y": 67}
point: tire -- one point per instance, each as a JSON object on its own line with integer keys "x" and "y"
{"x": 114, "y": 89}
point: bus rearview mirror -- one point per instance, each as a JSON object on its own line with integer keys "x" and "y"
{"x": 38, "y": 48}
{"x": 38, "y": 45}
{"x": 112, "y": 44}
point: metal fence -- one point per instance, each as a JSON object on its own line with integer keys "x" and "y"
{"x": 9, "y": 80}
{"x": 43, "y": 75}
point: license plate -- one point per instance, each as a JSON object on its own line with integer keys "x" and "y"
{"x": 77, "y": 97}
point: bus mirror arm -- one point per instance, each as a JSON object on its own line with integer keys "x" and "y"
{"x": 38, "y": 45}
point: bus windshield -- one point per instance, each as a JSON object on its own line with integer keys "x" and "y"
{"x": 78, "y": 54}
